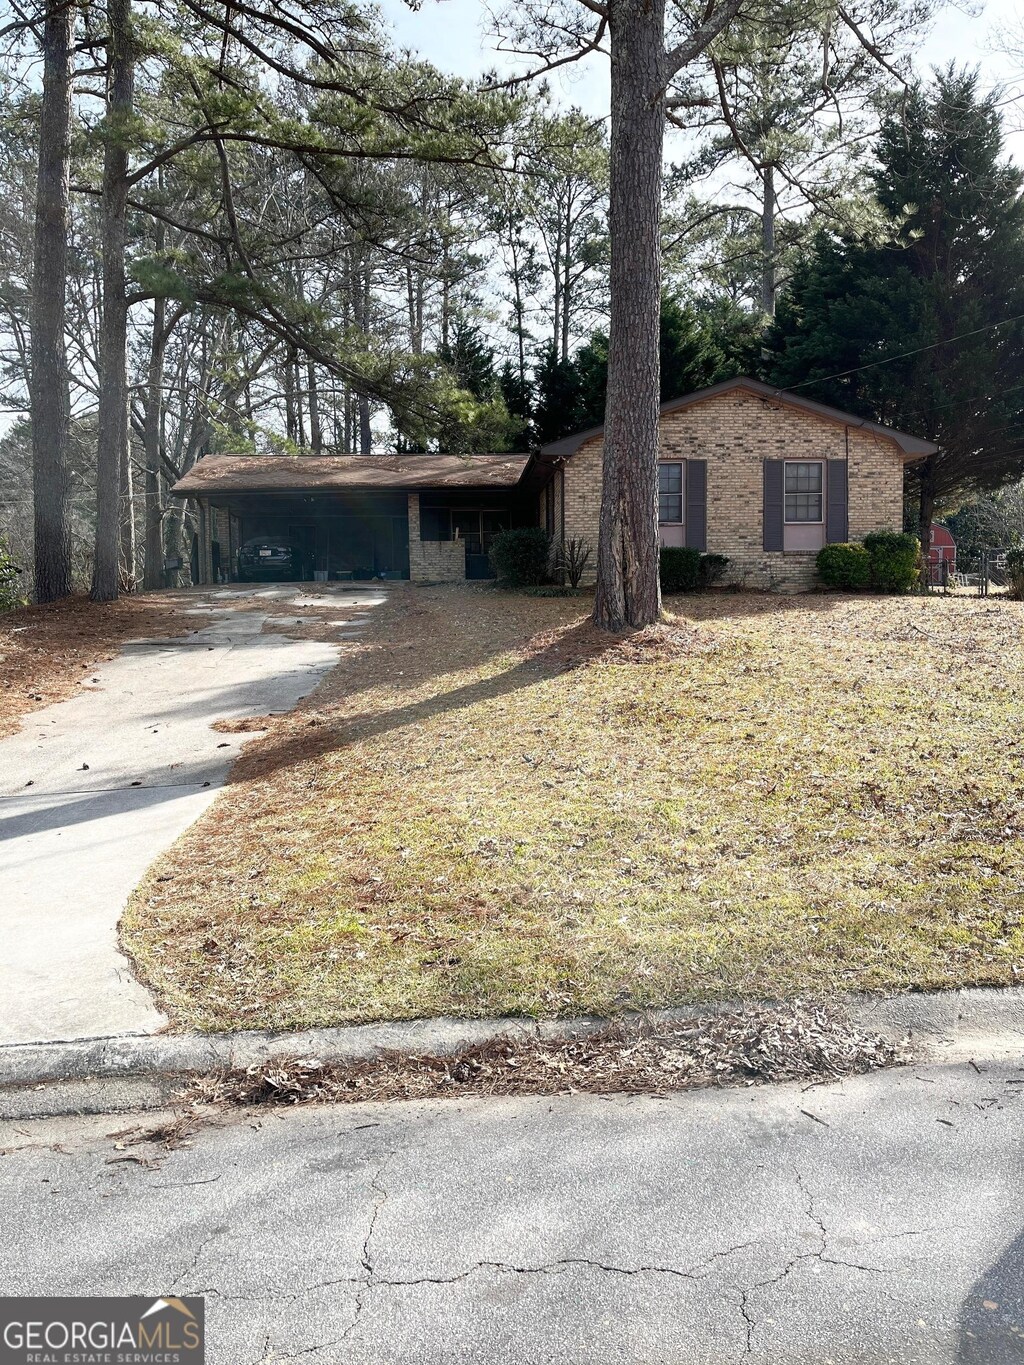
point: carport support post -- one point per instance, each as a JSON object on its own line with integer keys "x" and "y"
{"x": 205, "y": 554}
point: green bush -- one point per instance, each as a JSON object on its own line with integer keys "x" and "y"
{"x": 712, "y": 568}
{"x": 845, "y": 565}
{"x": 895, "y": 560}
{"x": 520, "y": 558}
{"x": 1015, "y": 573}
{"x": 10, "y": 596}
{"x": 686, "y": 570}
{"x": 680, "y": 569}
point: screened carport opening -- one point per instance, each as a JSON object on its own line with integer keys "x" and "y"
{"x": 339, "y": 535}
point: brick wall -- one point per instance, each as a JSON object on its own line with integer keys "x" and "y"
{"x": 213, "y": 526}
{"x": 736, "y": 432}
{"x": 433, "y": 561}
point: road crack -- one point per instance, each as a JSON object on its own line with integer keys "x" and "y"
{"x": 820, "y": 1253}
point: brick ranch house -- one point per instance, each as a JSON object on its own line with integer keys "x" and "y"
{"x": 763, "y": 477}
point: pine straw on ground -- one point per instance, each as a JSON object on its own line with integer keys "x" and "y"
{"x": 491, "y": 808}
{"x": 47, "y": 651}
{"x": 635, "y": 1057}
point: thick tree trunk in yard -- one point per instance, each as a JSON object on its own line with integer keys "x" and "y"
{"x": 50, "y": 403}
{"x": 112, "y": 440}
{"x": 153, "y": 432}
{"x": 628, "y": 589}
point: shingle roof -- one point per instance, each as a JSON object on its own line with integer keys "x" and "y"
{"x": 303, "y": 473}
{"x": 913, "y": 447}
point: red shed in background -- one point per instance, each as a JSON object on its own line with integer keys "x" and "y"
{"x": 942, "y": 550}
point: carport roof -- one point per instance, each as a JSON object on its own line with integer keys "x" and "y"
{"x": 216, "y": 474}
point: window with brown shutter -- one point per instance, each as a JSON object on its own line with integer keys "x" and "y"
{"x": 670, "y": 494}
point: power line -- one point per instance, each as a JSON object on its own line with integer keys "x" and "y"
{"x": 960, "y": 400}
{"x": 903, "y": 355}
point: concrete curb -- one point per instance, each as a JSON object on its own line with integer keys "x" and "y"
{"x": 948, "y": 1024}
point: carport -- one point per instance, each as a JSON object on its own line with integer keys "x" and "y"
{"x": 426, "y": 517}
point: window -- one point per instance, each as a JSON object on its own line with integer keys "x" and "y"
{"x": 803, "y": 490}
{"x": 670, "y": 494}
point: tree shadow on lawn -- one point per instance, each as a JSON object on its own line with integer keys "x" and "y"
{"x": 518, "y": 620}
{"x": 558, "y": 650}
{"x": 552, "y": 647}
{"x": 724, "y": 604}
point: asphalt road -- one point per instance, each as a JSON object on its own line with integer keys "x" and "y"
{"x": 876, "y": 1220}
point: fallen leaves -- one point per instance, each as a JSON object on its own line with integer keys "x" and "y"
{"x": 639, "y": 1056}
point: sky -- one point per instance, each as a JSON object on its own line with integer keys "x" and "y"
{"x": 452, "y": 34}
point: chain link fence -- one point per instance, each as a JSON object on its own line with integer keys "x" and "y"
{"x": 985, "y": 575}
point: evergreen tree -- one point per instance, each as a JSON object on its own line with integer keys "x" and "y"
{"x": 918, "y": 330}
{"x": 518, "y": 396}
{"x": 470, "y": 359}
{"x": 698, "y": 346}
{"x": 557, "y": 405}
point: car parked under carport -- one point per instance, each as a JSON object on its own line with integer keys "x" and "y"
{"x": 426, "y": 517}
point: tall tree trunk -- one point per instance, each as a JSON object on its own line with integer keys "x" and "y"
{"x": 50, "y": 403}
{"x": 556, "y": 280}
{"x": 174, "y": 541}
{"x": 414, "y": 293}
{"x": 628, "y": 588}
{"x": 365, "y": 433}
{"x": 129, "y": 552}
{"x": 290, "y": 425}
{"x": 112, "y": 441}
{"x": 153, "y": 570}
{"x": 768, "y": 241}
{"x": 316, "y": 439}
{"x": 446, "y": 296}
{"x": 519, "y": 307}
{"x": 567, "y": 264}
{"x": 926, "y": 508}
{"x": 566, "y": 298}
{"x": 300, "y": 424}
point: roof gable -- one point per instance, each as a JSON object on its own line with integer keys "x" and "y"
{"x": 911, "y": 447}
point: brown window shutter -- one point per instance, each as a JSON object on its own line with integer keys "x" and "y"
{"x": 837, "y": 503}
{"x": 696, "y": 515}
{"x": 774, "y": 504}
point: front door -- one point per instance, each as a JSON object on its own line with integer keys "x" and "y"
{"x": 478, "y": 527}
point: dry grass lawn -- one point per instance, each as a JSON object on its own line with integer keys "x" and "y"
{"x": 488, "y": 809}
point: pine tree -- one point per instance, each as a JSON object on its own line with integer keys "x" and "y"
{"x": 945, "y": 284}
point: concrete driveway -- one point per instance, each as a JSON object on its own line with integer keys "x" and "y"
{"x": 93, "y": 789}
{"x": 876, "y": 1221}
